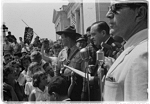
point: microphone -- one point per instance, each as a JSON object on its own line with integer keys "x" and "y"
{"x": 100, "y": 54}
{"x": 100, "y": 58}
{"x": 84, "y": 54}
{"x": 111, "y": 45}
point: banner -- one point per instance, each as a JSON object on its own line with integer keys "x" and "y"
{"x": 28, "y": 35}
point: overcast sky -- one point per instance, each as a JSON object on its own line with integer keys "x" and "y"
{"x": 38, "y": 15}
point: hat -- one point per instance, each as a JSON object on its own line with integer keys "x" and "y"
{"x": 81, "y": 39}
{"x": 128, "y": 1}
{"x": 70, "y": 30}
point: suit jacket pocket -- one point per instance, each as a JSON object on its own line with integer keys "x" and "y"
{"x": 113, "y": 91}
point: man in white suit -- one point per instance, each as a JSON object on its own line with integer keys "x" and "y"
{"x": 127, "y": 78}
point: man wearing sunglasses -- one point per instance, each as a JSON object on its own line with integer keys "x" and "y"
{"x": 127, "y": 78}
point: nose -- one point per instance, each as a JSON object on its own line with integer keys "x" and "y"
{"x": 109, "y": 14}
{"x": 92, "y": 37}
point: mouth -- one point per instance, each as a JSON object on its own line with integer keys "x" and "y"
{"x": 111, "y": 25}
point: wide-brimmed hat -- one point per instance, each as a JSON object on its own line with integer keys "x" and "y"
{"x": 69, "y": 30}
{"x": 81, "y": 39}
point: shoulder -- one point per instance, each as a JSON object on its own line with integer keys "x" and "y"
{"x": 62, "y": 54}
{"x": 138, "y": 58}
{"x": 140, "y": 51}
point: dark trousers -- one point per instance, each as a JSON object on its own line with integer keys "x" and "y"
{"x": 77, "y": 89}
{"x": 95, "y": 94}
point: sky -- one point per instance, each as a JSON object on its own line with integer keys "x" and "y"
{"x": 36, "y": 14}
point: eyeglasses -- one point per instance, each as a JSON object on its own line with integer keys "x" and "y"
{"x": 116, "y": 7}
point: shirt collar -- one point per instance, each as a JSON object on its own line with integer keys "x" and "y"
{"x": 137, "y": 38}
{"x": 73, "y": 48}
{"x": 45, "y": 90}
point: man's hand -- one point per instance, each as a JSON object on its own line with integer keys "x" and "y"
{"x": 108, "y": 62}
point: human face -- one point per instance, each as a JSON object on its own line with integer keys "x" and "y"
{"x": 96, "y": 36}
{"x": 64, "y": 40}
{"x": 7, "y": 59}
{"x": 43, "y": 80}
{"x": 15, "y": 72}
{"x": 26, "y": 63}
{"x": 121, "y": 19}
{"x": 82, "y": 44}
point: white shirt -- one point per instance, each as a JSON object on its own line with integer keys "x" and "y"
{"x": 41, "y": 95}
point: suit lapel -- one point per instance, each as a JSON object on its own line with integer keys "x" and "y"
{"x": 120, "y": 59}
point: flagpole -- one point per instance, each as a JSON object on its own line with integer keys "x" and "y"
{"x": 28, "y": 26}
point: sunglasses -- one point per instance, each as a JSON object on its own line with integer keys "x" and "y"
{"x": 116, "y": 7}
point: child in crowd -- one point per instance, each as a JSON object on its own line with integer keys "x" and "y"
{"x": 40, "y": 91}
{"x": 48, "y": 69}
{"x": 33, "y": 68}
{"x": 7, "y": 59}
{"x": 36, "y": 56}
{"x": 25, "y": 62}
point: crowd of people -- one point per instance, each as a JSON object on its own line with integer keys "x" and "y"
{"x": 108, "y": 63}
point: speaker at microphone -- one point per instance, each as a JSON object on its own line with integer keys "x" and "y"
{"x": 112, "y": 45}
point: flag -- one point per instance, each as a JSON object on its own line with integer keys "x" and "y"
{"x": 28, "y": 35}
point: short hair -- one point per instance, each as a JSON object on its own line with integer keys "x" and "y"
{"x": 58, "y": 85}
{"x": 36, "y": 56}
{"x": 137, "y": 5}
{"x": 36, "y": 78}
{"x": 51, "y": 71}
{"x": 6, "y": 71}
{"x": 31, "y": 66}
{"x": 14, "y": 62}
{"x": 7, "y": 54}
{"x": 9, "y": 68}
{"x": 102, "y": 25}
{"x": 88, "y": 29}
{"x": 25, "y": 57}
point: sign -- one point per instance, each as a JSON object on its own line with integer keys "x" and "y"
{"x": 28, "y": 35}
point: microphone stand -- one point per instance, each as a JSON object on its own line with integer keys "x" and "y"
{"x": 85, "y": 57}
{"x": 100, "y": 77}
{"x": 100, "y": 59}
{"x": 87, "y": 78}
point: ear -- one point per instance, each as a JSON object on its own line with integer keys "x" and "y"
{"x": 55, "y": 96}
{"x": 141, "y": 13}
{"x": 103, "y": 33}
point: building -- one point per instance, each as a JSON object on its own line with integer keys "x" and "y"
{"x": 80, "y": 15}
